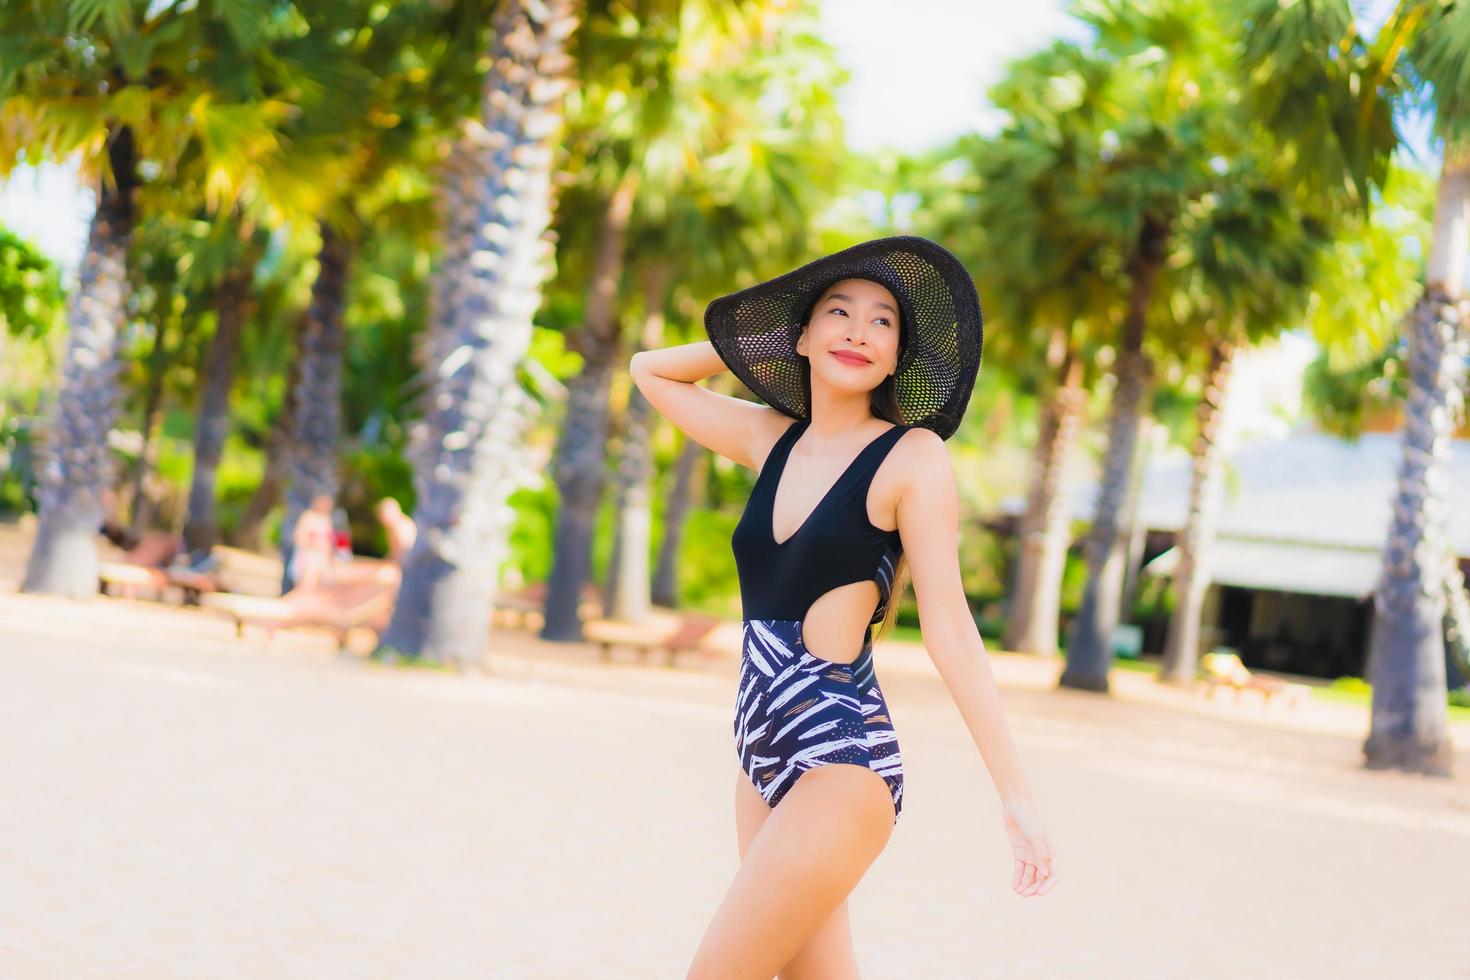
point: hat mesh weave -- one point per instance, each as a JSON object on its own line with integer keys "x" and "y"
{"x": 754, "y": 330}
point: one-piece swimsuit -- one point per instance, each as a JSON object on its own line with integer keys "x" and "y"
{"x": 793, "y": 710}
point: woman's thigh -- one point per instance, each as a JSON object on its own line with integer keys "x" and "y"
{"x": 828, "y": 954}
{"x": 804, "y": 858}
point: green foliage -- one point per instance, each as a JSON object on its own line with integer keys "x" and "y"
{"x": 31, "y": 298}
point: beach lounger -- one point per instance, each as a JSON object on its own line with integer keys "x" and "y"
{"x": 524, "y": 608}
{"x": 339, "y": 607}
{"x": 1226, "y": 670}
{"x": 139, "y": 569}
{"x": 229, "y": 570}
{"x": 669, "y": 634}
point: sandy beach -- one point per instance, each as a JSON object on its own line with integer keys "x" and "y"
{"x": 177, "y": 802}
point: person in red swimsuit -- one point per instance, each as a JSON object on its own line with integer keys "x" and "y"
{"x": 313, "y": 545}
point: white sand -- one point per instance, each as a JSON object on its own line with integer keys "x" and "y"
{"x": 178, "y": 803}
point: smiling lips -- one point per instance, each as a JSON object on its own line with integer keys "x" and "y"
{"x": 848, "y": 357}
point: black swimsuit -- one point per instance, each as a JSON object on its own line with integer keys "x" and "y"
{"x": 795, "y": 711}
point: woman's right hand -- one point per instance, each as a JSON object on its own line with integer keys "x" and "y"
{"x": 1032, "y": 848}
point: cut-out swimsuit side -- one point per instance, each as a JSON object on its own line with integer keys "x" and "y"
{"x": 793, "y": 710}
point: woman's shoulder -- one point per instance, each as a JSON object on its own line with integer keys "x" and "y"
{"x": 922, "y": 455}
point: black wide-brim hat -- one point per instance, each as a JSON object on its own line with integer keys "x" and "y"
{"x": 754, "y": 330}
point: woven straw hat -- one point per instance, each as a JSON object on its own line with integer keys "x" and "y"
{"x": 754, "y": 330}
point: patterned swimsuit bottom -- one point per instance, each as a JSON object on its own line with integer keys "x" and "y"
{"x": 795, "y": 711}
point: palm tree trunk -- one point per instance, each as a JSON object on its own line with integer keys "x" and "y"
{"x": 77, "y": 465}
{"x": 1457, "y": 619}
{"x": 1191, "y": 574}
{"x": 496, "y": 196}
{"x": 630, "y": 586}
{"x": 676, "y": 512}
{"x": 1089, "y": 641}
{"x": 1135, "y": 531}
{"x": 278, "y": 443}
{"x": 580, "y": 462}
{"x": 1406, "y": 653}
{"x": 140, "y": 508}
{"x": 1043, "y": 535}
{"x": 212, "y": 425}
{"x": 311, "y": 459}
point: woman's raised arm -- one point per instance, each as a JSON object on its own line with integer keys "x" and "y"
{"x": 733, "y": 427}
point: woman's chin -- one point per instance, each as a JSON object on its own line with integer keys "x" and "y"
{"x": 849, "y": 382}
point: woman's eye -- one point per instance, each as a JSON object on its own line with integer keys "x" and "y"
{"x": 838, "y": 309}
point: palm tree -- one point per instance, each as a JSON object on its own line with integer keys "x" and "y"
{"x": 495, "y": 208}
{"x": 233, "y": 299}
{"x": 76, "y": 467}
{"x": 728, "y": 179}
{"x": 123, "y": 83}
{"x": 1047, "y": 277}
{"x": 396, "y": 84}
{"x": 1418, "y": 57}
{"x": 1249, "y": 274}
{"x": 1154, "y": 162}
{"x": 645, "y": 115}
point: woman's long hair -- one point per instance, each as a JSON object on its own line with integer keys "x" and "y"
{"x": 882, "y": 402}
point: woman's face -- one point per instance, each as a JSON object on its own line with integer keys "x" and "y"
{"x": 852, "y": 337}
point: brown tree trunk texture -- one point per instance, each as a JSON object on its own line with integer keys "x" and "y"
{"x": 316, "y": 428}
{"x": 249, "y": 535}
{"x": 676, "y": 514}
{"x": 1035, "y": 607}
{"x": 629, "y": 585}
{"x": 1457, "y": 620}
{"x": 617, "y": 422}
{"x": 1090, "y": 639}
{"x": 580, "y": 462}
{"x": 1192, "y": 571}
{"x": 76, "y": 465}
{"x": 212, "y": 423}
{"x": 469, "y": 452}
{"x": 141, "y": 509}
{"x": 1135, "y": 531}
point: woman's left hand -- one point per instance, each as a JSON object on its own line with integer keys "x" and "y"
{"x": 1032, "y": 848}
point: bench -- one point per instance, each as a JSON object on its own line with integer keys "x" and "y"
{"x": 339, "y": 607}
{"x": 525, "y": 608}
{"x": 1225, "y": 669}
{"x": 140, "y": 568}
{"x": 230, "y": 570}
{"x": 669, "y": 634}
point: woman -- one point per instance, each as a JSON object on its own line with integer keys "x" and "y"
{"x": 873, "y": 351}
{"x": 313, "y": 545}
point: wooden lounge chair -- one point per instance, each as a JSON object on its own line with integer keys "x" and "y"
{"x": 1223, "y": 669}
{"x": 671, "y": 634}
{"x": 139, "y": 569}
{"x": 339, "y": 607}
{"x": 525, "y": 608}
{"x": 231, "y": 570}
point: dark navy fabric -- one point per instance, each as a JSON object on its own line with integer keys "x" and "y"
{"x": 793, "y": 710}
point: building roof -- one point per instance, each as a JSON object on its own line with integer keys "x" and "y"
{"x": 1307, "y": 489}
{"x": 1283, "y": 567}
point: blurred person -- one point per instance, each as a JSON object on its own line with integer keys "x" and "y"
{"x": 313, "y": 545}
{"x": 400, "y": 528}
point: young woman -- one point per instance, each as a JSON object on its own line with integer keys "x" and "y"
{"x": 867, "y": 359}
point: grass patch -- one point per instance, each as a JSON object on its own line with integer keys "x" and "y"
{"x": 1355, "y": 690}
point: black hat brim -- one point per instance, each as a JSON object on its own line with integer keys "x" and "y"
{"x": 754, "y": 330}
